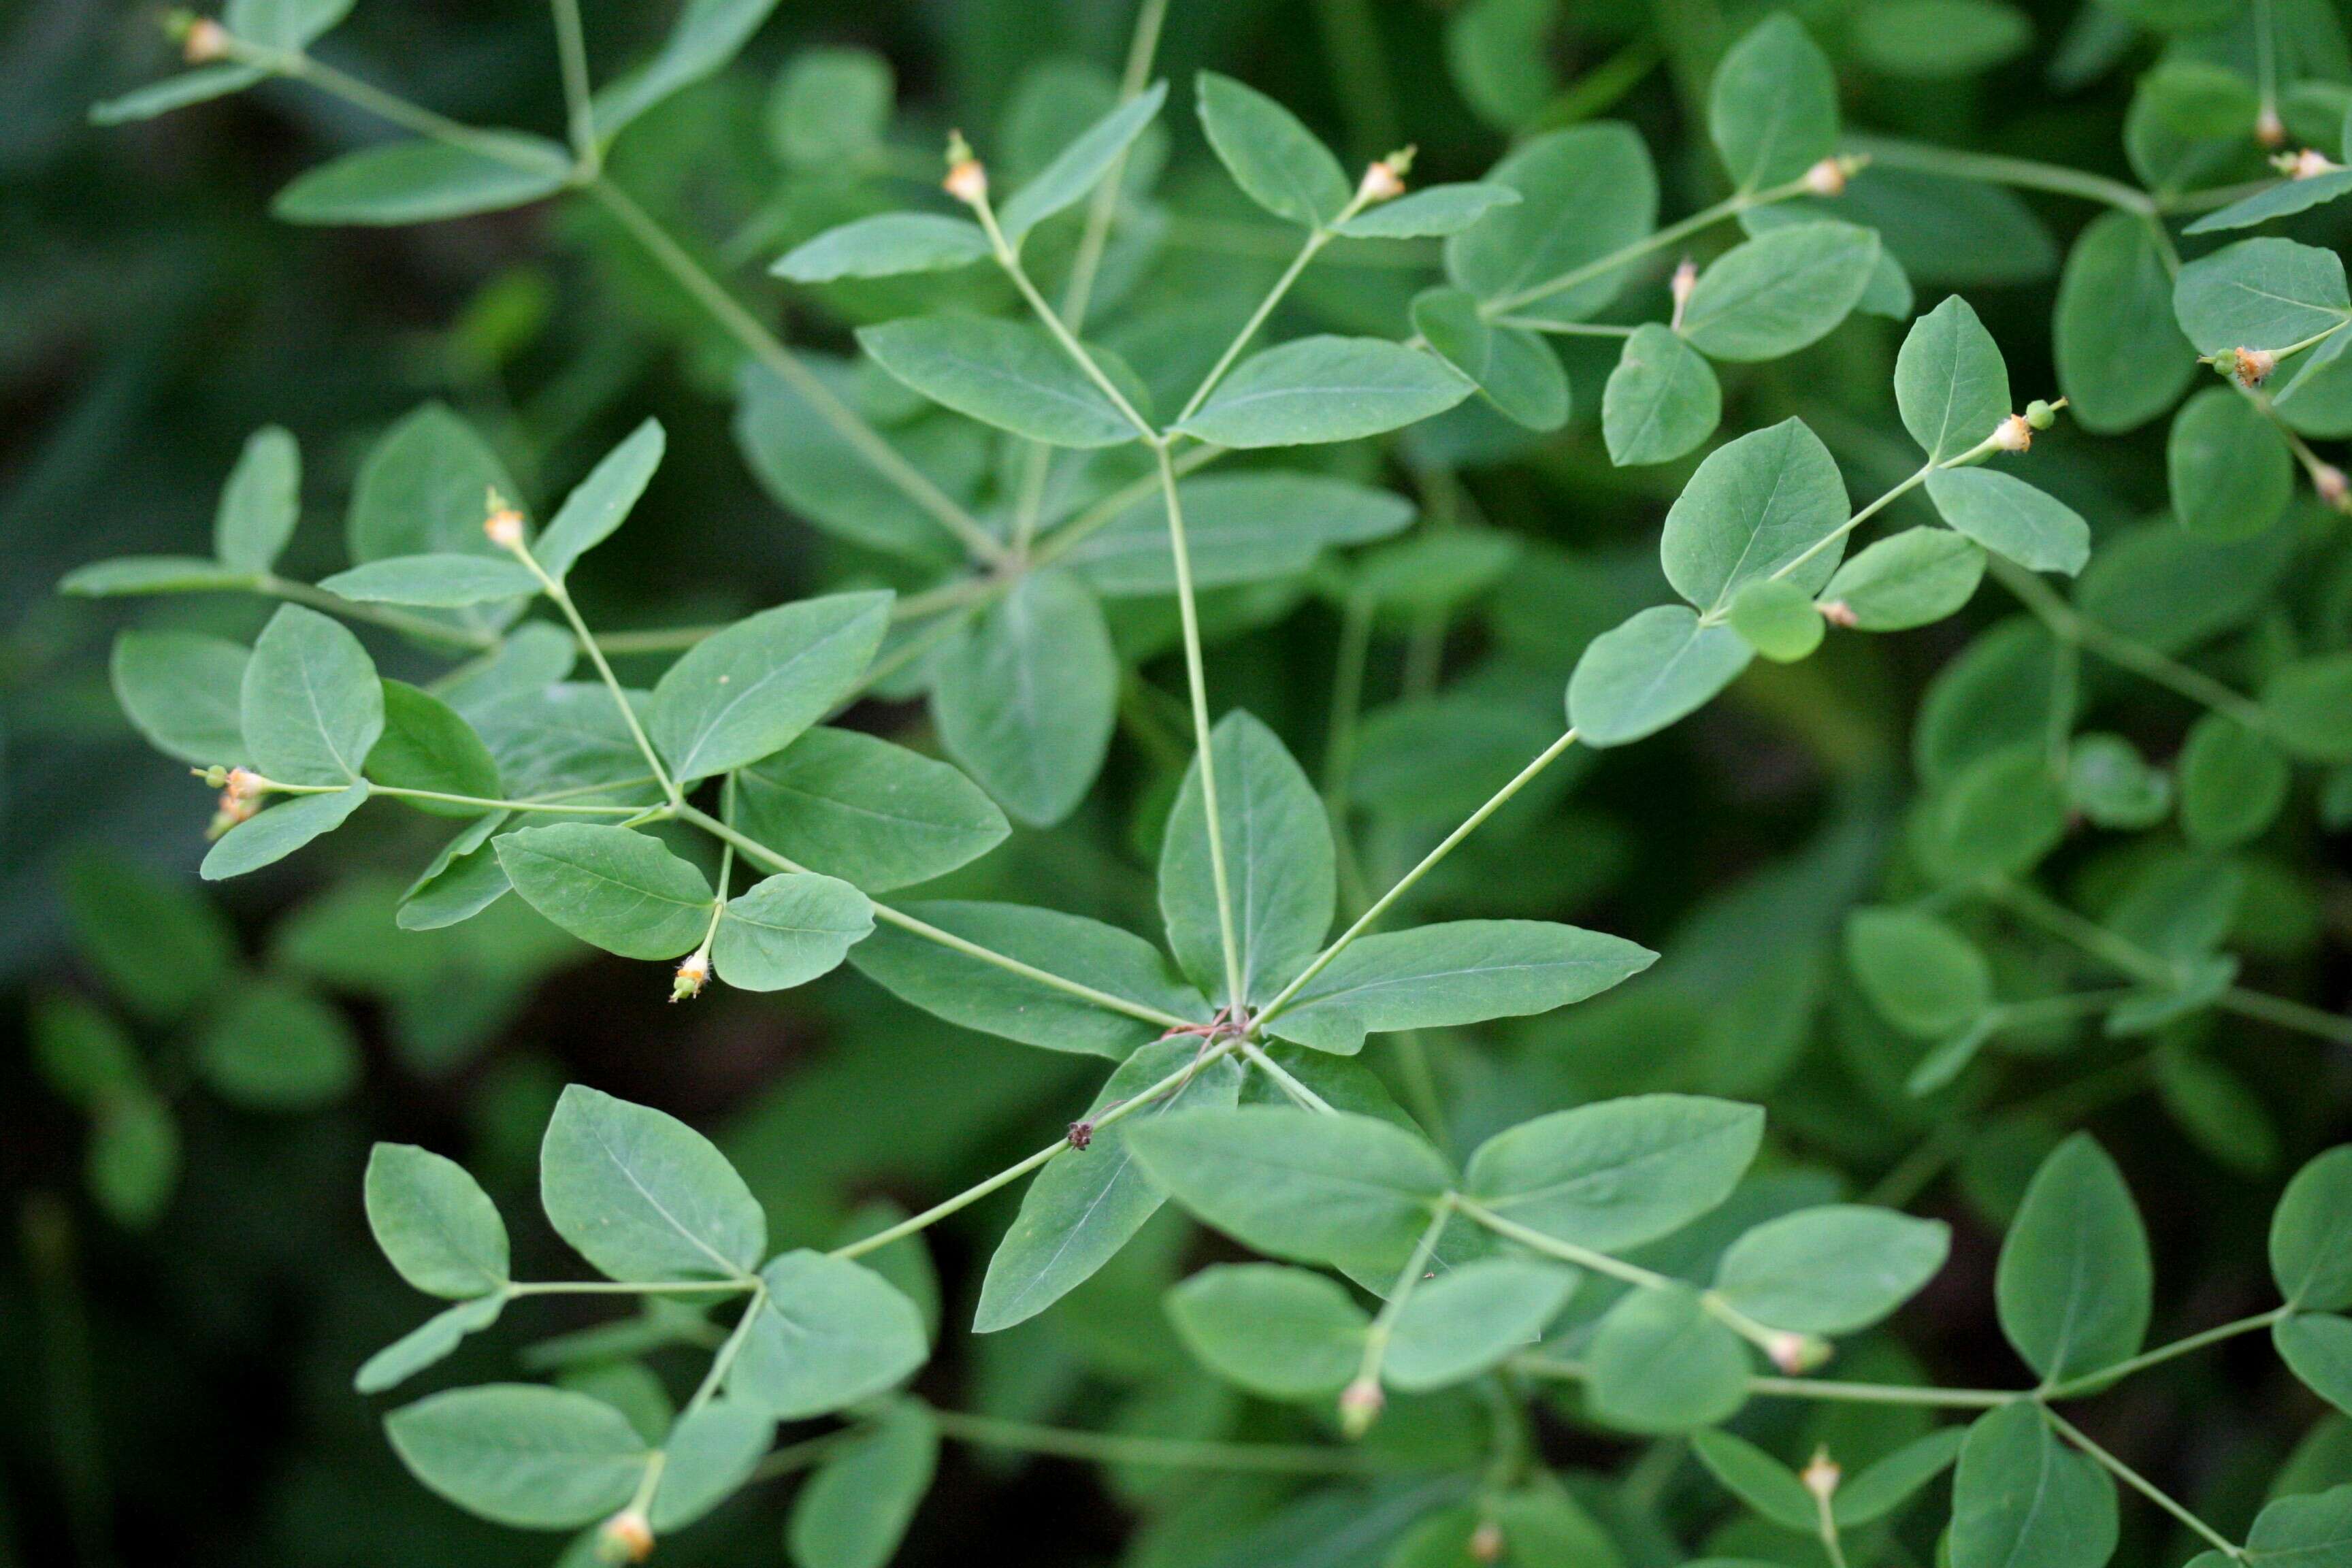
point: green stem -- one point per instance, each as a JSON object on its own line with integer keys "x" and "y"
{"x": 2106, "y": 1376}
{"x": 2286, "y": 1014}
{"x": 1992, "y": 168}
{"x": 2145, "y": 1487}
{"x": 1384, "y": 1326}
{"x": 2069, "y": 623}
{"x": 383, "y": 615}
{"x": 1112, "y": 1448}
{"x": 2115, "y": 950}
{"x": 555, "y": 591}
{"x": 1568, "y": 329}
{"x": 1672, "y": 234}
{"x": 1068, "y": 537}
{"x": 625, "y": 1286}
{"x": 1009, "y": 260}
{"x": 484, "y": 803}
{"x": 387, "y": 107}
{"x": 1143, "y": 44}
{"x": 724, "y": 1362}
{"x": 1303, "y": 1097}
{"x": 1566, "y": 1251}
{"x": 1824, "y": 1389}
{"x": 794, "y": 1457}
{"x": 572, "y": 50}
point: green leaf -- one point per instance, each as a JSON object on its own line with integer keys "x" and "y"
{"x": 2311, "y": 1234}
{"x": 2308, "y": 1532}
{"x": 1617, "y": 1173}
{"x": 161, "y": 948}
{"x": 429, "y": 1343}
{"x": 982, "y": 995}
{"x": 1432, "y": 213}
{"x": 1772, "y": 110}
{"x": 1937, "y": 39}
{"x": 2232, "y": 783}
{"x": 2260, "y": 294}
{"x": 1460, "y": 972}
{"x": 2011, "y": 518}
{"x": 277, "y": 833}
{"x": 1282, "y": 1333}
{"x": 440, "y": 581}
{"x": 1540, "y": 1525}
{"x": 1238, "y": 528}
{"x": 1342, "y": 1189}
{"x": 1755, "y": 507}
{"x": 2282, "y": 200}
{"x": 310, "y": 703}
{"x": 260, "y": 503}
{"x": 1005, "y": 374}
{"x": 2121, "y": 358}
{"x": 2317, "y": 1347}
{"x": 1779, "y": 291}
{"x": 460, "y": 882}
{"x": 858, "y": 807}
{"x": 183, "y": 692}
{"x": 83, "y": 1053}
{"x": 520, "y": 1454}
{"x": 618, "y": 888}
{"x": 1586, "y": 193}
{"x": 1758, "y": 1479}
{"x": 199, "y": 86}
{"x": 1924, "y": 977}
{"x": 1080, "y": 166}
{"x": 286, "y": 25}
{"x": 1950, "y": 381}
{"x": 788, "y": 930}
{"x": 827, "y": 1334}
{"x": 1321, "y": 389}
{"x": 1661, "y": 401}
{"x": 1778, "y": 619}
{"x": 1998, "y": 817}
{"x": 1831, "y": 1269}
{"x": 1659, "y": 1363}
{"x": 2112, "y": 784}
{"x": 750, "y": 690}
{"x": 1908, "y": 579}
{"x": 2073, "y": 1287}
{"x": 888, "y": 245}
{"x": 434, "y": 1223}
{"x": 1084, "y": 1206}
{"x": 2231, "y": 473}
{"x": 2308, "y": 707}
{"x": 710, "y": 1453}
{"x": 2019, "y": 1497}
{"x": 1514, "y": 368}
{"x": 1279, "y": 865}
{"x": 151, "y": 574}
{"x": 641, "y": 1195}
{"x": 425, "y": 745}
{"x": 425, "y": 181}
{"x": 831, "y": 108}
{"x": 1640, "y": 676}
{"x": 1469, "y": 1319}
{"x": 1887, "y": 1485}
{"x": 707, "y": 35}
{"x": 133, "y": 1159}
{"x": 424, "y": 489}
{"x": 1028, "y": 701}
{"x": 854, "y": 1511}
{"x": 810, "y": 467}
{"x": 1278, "y": 162}
{"x": 599, "y": 503}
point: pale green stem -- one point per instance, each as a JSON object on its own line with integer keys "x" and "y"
{"x": 572, "y": 49}
{"x": 1303, "y": 1097}
{"x": 1672, "y": 234}
{"x": 2070, "y": 625}
{"x": 1384, "y": 1326}
{"x": 398, "y": 792}
{"x": 1010, "y": 261}
{"x": 1995, "y": 169}
{"x": 383, "y": 615}
{"x": 2145, "y": 1487}
{"x": 1825, "y": 1525}
{"x": 2096, "y": 1381}
{"x": 2110, "y": 947}
{"x": 625, "y": 1286}
{"x": 2286, "y": 1014}
{"x": 796, "y": 1456}
{"x": 1143, "y": 44}
{"x": 2266, "y": 59}
{"x": 1632, "y": 1274}
{"x": 1069, "y": 535}
{"x": 561, "y": 597}
{"x": 1567, "y": 329}
{"x": 724, "y": 1362}
{"x": 1113, "y": 1448}
{"x": 1824, "y": 1389}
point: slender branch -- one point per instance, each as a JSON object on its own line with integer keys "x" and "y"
{"x": 1361, "y": 1401}
{"x": 2146, "y": 1488}
{"x": 1143, "y": 44}
{"x": 625, "y": 1286}
{"x": 796, "y": 1456}
{"x": 1092, "y": 520}
{"x": 1672, "y": 234}
{"x": 2070, "y": 624}
{"x": 388, "y": 107}
{"x": 401, "y": 792}
{"x": 1303, "y": 1097}
{"x": 724, "y": 1362}
{"x": 1566, "y": 1251}
{"x": 1828, "y": 1390}
{"x": 1010, "y": 261}
{"x": 572, "y": 49}
{"x": 383, "y": 615}
{"x": 561, "y": 597}
{"x": 1991, "y": 168}
{"x": 2096, "y": 1381}
{"x": 1116, "y": 1448}
{"x": 2286, "y": 1014}
{"x": 2109, "y": 947}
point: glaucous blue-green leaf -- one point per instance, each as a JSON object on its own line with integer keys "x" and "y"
{"x": 854, "y": 807}
{"x": 131, "y": 574}
{"x": 1775, "y": 619}
{"x": 613, "y": 886}
{"x": 2302, "y": 1531}
{"x": 1661, "y": 401}
{"x": 439, "y": 582}
{"x": 788, "y": 930}
{"x": 161, "y": 947}
{"x": 1923, "y": 976}
{"x": 1937, "y": 39}
{"x": 2121, "y": 358}
{"x": 1085, "y": 1205}
{"x": 274, "y": 1045}
{"x": 706, "y": 37}
{"x": 2311, "y": 1234}
{"x": 434, "y": 1223}
{"x": 2012, "y": 518}
{"x": 2112, "y": 784}
{"x": 426, "y": 745}
{"x": 425, "y": 181}
{"x": 1080, "y": 166}
{"x": 520, "y": 1453}
{"x": 1278, "y": 162}
{"x": 1999, "y": 815}
{"x": 569, "y": 737}
{"x": 1027, "y": 700}
{"x": 1621, "y": 1172}
{"x": 599, "y": 503}
{"x": 1238, "y": 528}
{"x": 310, "y": 703}
{"x": 279, "y": 831}
{"x": 2317, "y": 1347}
{"x": 1758, "y": 1479}
{"x": 1342, "y": 1189}
{"x": 1772, "y": 109}
{"x": 1769, "y": 503}
{"x": 708, "y": 1456}
{"x": 1005, "y": 374}
{"x": 1432, "y": 213}
{"x": 1882, "y": 1488}
{"x": 1497, "y": 52}
{"x": 2073, "y": 1287}
{"x": 748, "y": 690}
{"x": 2314, "y": 394}
{"x": 1659, "y": 1363}
{"x": 260, "y": 503}
{"x": 431, "y": 1341}
{"x": 1320, "y": 389}
{"x": 1831, "y": 1269}
{"x": 828, "y": 1333}
{"x": 1541, "y": 1525}
{"x": 888, "y": 245}
{"x": 642, "y": 1195}
{"x": 831, "y": 108}
{"x": 1908, "y": 579}
{"x": 423, "y": 490}
{"x": 2021, "y": 1496}
{"x": 287, "y": 25}
{"x": 2161, "y": 585}
{"x": 2231, "y": 473}
{"x": 1280, "y": 867}
{"x": 982, "y": 995}
{"x": 184, "y": 692}
{"x": 1951, "y": 383}
{"x": 1458, "y": 972}
{"x": 1636, "y": 678}
{"x": 1779, "y": 291}
{"x": 2233, "y": 782}
{"x": 1514, "y": 368}
{"x": 2282, "y": 200}
{"x": 2307, "y": 707}
{"x": 854, "y": 1509}
{"x": 1282, "y": 1333}
{"x": 199, "y": 86}
{"x": 1469, "y": 1319}
{"x": 1586, "y": 194}
{"x": 2261, "y": 294}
